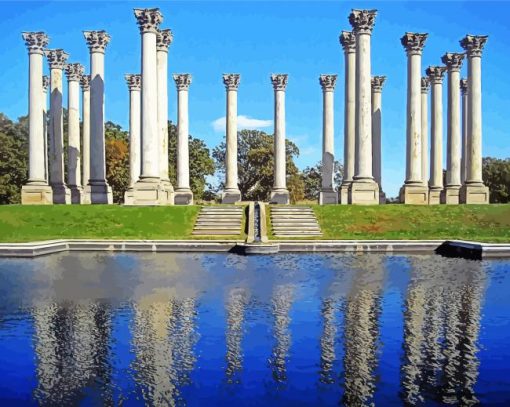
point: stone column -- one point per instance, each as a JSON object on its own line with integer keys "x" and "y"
{"x": 279, "y": 193}
{"x": 436, "y": 75}
{"x": 231, "y": 194}
{"x": 36, "y": 191}
{"x": 61, "y": 194}
{"x": 414, "y": 191}
{"x": 85, "y": 106}
{"x": 348, "y": 42}
{"x": 364, "y": 190}
{"x": 453, "y": 62}
{"x": 148, "y": 190}
{"x": 98, "y": 191}
{"x": 474, "y": 190}
{"x": 328, "y": 193}
{"x": 163, "y": 41}
{"x": 74, "y": 73}
{"x": 183, "y": 194}
{"x": 377, "y": 85}
{"x": 46, "y": 84}
{"x": 464, "y": 149}
{"x": 134, "y": 83}
{"x": 425, "y": 86}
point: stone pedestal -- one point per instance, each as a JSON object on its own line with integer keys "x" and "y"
{"x": 474, "y": 194}
{"x": 36, "y": 194}
{"x": 348, "y": 42}
{"x": 451, "y": 195}
{"x": 364, "y": 190}
{"x": 183, "y": 196}
{"x": 382, "y": 198}
{"x": 281, "y": 197}
{"x": 414, "y": 194}
{"x": 435, "y": 196}
{"x": 328, "y": 197}
{"x": 147, "y": 192}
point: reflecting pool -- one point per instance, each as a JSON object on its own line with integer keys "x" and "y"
{"x": 222, "y": 329}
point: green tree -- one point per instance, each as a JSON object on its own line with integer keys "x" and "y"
{"x": 312, "y": 177}
{"x": 255, "y": 163}
{"x": 496, "y": 175}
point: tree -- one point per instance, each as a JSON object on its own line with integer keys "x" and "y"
{"x": 255, "y": 164}
{"x": 312, "y": 177}
{"x": 496, "y": 175}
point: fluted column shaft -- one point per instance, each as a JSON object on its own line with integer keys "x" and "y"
{"x": 134, "y": 84}
{"x": 424, "y": 129}
{"x": 46, "y": 83}
{"x": 164, "y": 39}
{"x": 464, "y": 119}
{"x": 377, "y": 84}
{"x": 182, "y": 132}
{"x": 85, "y": 106}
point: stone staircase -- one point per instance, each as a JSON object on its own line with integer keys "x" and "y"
{"x": 294, "y": 221}
{"x": 219, "y": 220}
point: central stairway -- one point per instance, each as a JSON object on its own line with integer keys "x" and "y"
{"x": 294, "y": 221}
{"x": 219, "y": 220}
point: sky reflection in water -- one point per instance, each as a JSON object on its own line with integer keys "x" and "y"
{"x": 189, "y": 329}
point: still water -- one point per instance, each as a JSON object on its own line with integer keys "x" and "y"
{"x": 221, "y": 329}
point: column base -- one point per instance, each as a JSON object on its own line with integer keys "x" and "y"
{"x": 147, "y": 193}
{"x": 280, "y": 197}
{"x": 343, "y": 194}
{"x": 364, "y": 192}
{"x": 328, "y": 197}
{"x": 451, "y": 195}
{"x": 435, "y": 196}
{"x": 183, "y": 196}
{"x": 129, "y": 196}
{"x": 169, "y": 190}
{"x": 414, "y": 194}
{"x": 382, "y": 198}
{"x": 474, "y": 194}
{"x": 230, "y": 196}
{"x": 33, "y": 194}
{"x": 97, "y": 194}
{"x": 76, "y": 194}
{"x": 61, "y": 194}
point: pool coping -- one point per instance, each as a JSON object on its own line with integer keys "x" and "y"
{"x": 451, "y": 248}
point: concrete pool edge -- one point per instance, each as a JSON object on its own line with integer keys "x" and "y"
{"x": 455, "y": 248}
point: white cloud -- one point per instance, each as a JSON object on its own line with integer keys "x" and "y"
{"x": 243, "y": 122}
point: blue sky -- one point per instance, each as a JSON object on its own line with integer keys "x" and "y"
{"x": 256, "y": 39}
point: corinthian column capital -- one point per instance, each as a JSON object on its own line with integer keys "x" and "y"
{"x": 182, "y": 81}
{"x": 231, "y": 80}
{"x": 134, "y": 81}
{"x": 328, "y": 82}
{"x": 473, "y": 44}
{"x": 45, "y": 82}
{"x": 414, "y": 42}
{"x": 436, "y": 74}
{"x": 74, "y": 72}
{"x": 377, "y": 83}
{"x": 348, "y": 41}
{"x": 279, "y": 81}
{"x": 453, "y": 60}
{"x": 362, "y": 21}
{"x": 97, "y": 40}
{"x": 164, "y": 39}
{"x": 85, "y": 82}
{"x": 35, "y": 41}
{"x": 148, "y": 19}
{"x": 464, "y": 86}
{"x": 56, "y": 58}
{"x": 425, "y": 84}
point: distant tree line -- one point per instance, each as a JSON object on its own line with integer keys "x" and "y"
{"x": 255, "y": 165}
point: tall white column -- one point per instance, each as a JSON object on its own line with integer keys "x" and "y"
{"x": 61, "y": 194}
{"x": 328, "y": 193}
{"x": 348, "y": 42}
{"x": 364, "y": 190}
{"x": 436, "y": 75}
{"x": 279, "y": 192}
{"x": 425, "y": 86}
{"x": 36, "y": 191}
{"x": 464, "y": 119}
{"x": 85, "y": 107}
{"x": 183, "y": 193}
{"x": 134, "y": 83}
{"x": 74, "y": 72}
{"x": 46, "y": 84}
{"x": 453, "y": 62}
{"x": 377, "y": 85}
{"x": 163, "y": 41}
{"x": 231, "y": 193}
{"x": 149, "y": 189}
{"x": 414, "y": 191}
{"x": 474, "y": 191}
{"x": 98, "y": 191}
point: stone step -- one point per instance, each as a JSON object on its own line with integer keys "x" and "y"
{"x": 233, "y": 217}
{"x": 214, "y": 233}
{"x": 231, "y": 225}
{"x": 227, "y": 227}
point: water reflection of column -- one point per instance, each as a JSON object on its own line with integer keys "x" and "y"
{"x": 153, "y": 347}
{"x": 236, "y": 305}
{"x": 328, "y": 341}
{"x": 361, "y": 331}
{"x": 281, "y": 303}
{"x": 184, "y": 340}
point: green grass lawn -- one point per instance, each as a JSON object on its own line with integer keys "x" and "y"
{"x": 485, "y": 223}
{"x": 31, "y": 223}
